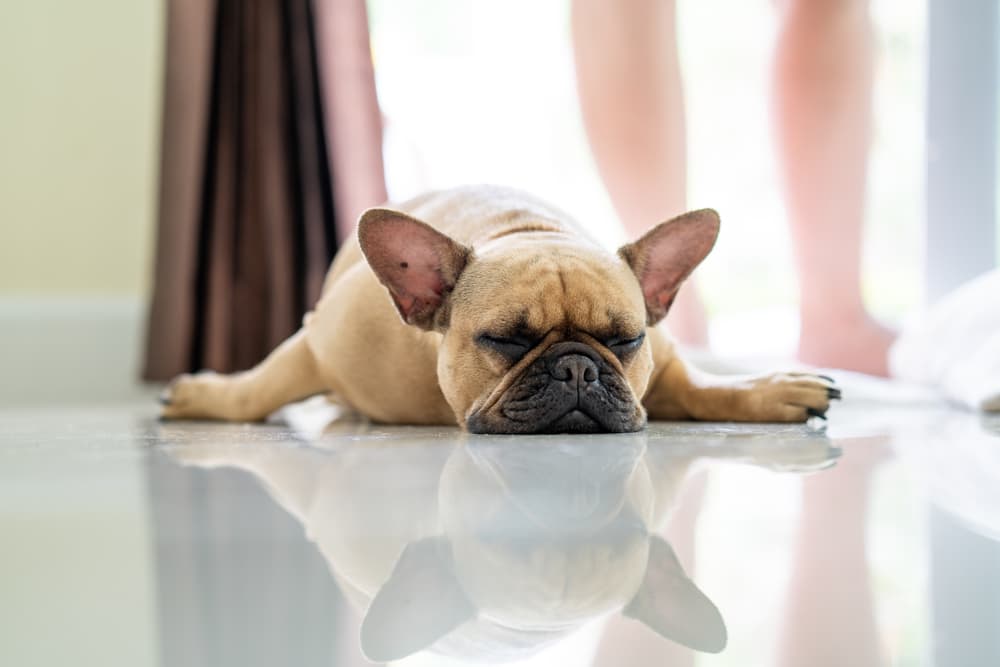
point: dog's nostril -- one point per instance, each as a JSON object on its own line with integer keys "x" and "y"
{"x": 574, "y": 368}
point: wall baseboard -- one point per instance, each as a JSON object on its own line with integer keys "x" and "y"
{"x": 71, "y": 350}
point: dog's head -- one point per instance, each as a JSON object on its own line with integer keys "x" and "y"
{"x": 542, "y": 332}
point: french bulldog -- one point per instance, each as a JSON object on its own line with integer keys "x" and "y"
{"x": 497, "y": 547}
{"x": 487, "y": 308}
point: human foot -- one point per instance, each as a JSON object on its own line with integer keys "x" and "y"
{"x": 857, "y": 343}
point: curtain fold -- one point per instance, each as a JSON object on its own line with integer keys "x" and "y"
{"x": 271, "y": 143}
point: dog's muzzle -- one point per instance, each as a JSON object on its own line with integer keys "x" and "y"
{"x": 568, "y": 389}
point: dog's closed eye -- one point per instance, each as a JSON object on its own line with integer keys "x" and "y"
{"x": 511, "y": 348}
{"x": 623, "y": 347}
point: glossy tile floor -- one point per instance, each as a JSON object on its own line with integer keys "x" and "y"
{"x": 870, "y": 541}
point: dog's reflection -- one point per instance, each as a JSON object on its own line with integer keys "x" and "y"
{"x": 498, "y": 546}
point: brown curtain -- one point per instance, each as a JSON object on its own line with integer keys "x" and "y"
{"x": 271, "y": 145}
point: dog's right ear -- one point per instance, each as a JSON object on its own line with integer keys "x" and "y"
{"x": 670, "y": 604}
{"x": 667, "y": 254}
{"x": 418, "y": 264}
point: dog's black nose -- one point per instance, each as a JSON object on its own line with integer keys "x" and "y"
{"x": 574, "y": 369}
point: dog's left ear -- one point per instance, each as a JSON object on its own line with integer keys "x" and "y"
{"x": 670, "y": 604}
{"x": 420, "y": 603}
{"x": 667, "y": 254}
{"x": 418, "y": 264}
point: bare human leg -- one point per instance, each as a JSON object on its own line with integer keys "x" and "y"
{"x": 629, "y": 84}
{"x": 822, "y": 125}
{"x": 830, "y": 585}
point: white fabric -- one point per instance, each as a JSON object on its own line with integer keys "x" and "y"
{"x": 955, "y": 346}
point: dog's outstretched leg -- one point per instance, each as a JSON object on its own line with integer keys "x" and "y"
{"x": 287, "y": 374}
{"x": 678, "y": 391}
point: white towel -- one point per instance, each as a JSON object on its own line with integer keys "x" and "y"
{"x": 954, "y": 347}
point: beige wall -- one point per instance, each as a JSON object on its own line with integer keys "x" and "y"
{"x": 79, "y": 122}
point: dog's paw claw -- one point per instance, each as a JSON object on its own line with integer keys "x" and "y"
{"x": 833, "y": 393}
{"x": 813, "y": 412}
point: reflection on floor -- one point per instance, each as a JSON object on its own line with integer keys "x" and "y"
{"x": 144, "y": 543}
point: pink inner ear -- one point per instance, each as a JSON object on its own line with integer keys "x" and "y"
{"x": 413, "y": 262}
{"x": 668, "y": 264}
{"x": 669, "y": 253}
{"x": 663, "y": 298}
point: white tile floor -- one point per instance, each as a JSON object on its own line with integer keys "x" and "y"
{"x": 131, "y": 542}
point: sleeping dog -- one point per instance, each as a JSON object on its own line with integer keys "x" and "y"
{"x": 487, "y": 308}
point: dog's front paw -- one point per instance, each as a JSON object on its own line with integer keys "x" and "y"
{"x": 792, "y": 397}
{"x": 194, "y": 396}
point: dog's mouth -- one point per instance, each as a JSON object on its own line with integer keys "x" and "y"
{"x": 569, "y": 389}
{"x": 574, "y": 421}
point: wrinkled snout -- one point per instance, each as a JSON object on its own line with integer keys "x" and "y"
{"x": 570, "y": 388}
